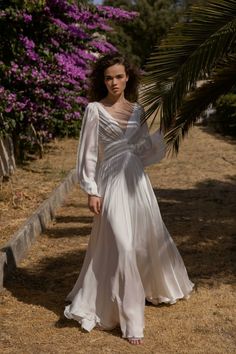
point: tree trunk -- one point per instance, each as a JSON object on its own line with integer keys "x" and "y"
{"x": 7, "y": 159}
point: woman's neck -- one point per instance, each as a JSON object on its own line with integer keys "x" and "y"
{"x": 114, "y": 99}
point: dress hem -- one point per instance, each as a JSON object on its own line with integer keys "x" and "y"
{"x": 161, "y": 299}
{"x": 91, "y": 321}
{"x": 87, "y": 322}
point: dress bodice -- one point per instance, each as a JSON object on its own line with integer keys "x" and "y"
{"x": 100, "y": 132}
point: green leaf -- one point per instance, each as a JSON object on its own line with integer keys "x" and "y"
{"x": 193, "y": 51}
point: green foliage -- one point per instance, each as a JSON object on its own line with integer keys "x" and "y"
{"x": 202, "y": 49}
{"x": 224, "y": 118}
{"x": 137, "y": 38}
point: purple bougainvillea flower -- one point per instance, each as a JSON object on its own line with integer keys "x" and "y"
{"x": 28, "y": 43}
{"x": 9, "y": 108}
{"x": 81, "y": 100}
{"x": 46, "y": 77}
{"x": 55, "y": 43}
{"x": 77, "y": 115}
{"x": 103, "y": 46}
{"x": 27, "y": 17}
{"x": 60, "y": 23}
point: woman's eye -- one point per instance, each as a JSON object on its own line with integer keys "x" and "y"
{"x": 117, "y": 77}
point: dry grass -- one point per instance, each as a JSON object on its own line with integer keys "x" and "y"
{"x": 196, "y": 194}
{"x": 32, "y": 183}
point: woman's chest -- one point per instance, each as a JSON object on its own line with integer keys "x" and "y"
{"x": 112, "y": 130}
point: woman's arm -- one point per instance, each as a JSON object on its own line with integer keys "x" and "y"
{"x": 87, "y": 158}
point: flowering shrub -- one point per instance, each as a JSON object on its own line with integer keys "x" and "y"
{"x": 45, "y": 49}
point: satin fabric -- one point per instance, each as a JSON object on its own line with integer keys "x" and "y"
{"x": 131, "y": 255}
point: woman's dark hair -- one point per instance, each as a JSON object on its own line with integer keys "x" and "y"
{"x": 97, "y": 88}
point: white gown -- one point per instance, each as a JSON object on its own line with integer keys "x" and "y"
{"x": 130, "y": 256}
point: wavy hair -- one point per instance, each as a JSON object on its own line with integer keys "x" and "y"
{"x": 97, "y": 88}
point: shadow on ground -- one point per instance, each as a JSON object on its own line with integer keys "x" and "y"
{"x": 57, "y": 232}
{"x": 200, "y": 220}
{"x": 48, "y": 283}
{"x": 211, "y": 131}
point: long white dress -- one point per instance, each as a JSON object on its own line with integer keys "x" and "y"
{"x": 130, "y": 256}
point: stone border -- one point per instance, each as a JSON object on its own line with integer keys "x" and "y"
{"x": 16, "y": 249}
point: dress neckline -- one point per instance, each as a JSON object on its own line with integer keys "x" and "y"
{"x": 114, "y": 120}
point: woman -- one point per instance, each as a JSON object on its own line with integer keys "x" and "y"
{"x": 131, "y": 256}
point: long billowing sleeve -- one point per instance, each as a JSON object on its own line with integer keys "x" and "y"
{"x": 150, "y": 148}
{"x": 87, "y": 158}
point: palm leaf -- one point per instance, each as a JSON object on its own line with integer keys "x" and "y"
{"x": 221, "y": 81}
{"x": 189, "y": 53}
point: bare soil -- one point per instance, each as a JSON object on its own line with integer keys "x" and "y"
{"x": 197, "y": 195}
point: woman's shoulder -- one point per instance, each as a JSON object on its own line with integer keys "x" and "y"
{"x": 91, "y": 107}
{"x": 91, "y": 112}
{"x": 91, "y": 104}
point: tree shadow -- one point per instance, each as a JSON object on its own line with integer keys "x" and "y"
{"x": 211, "y": 131}
{"x": 203, "y": 224}
{"x": 48, "y": 283}
{"x": 73, "y": 218}
{"x": 58, "y": 232}
{"x": 76, "y": 205}
{"x": 201, "y": 221}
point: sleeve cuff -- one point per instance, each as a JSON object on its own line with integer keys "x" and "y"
{"x": 90, "y": 188}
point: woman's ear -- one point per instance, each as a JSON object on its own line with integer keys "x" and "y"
{"x": 127, "y": 78}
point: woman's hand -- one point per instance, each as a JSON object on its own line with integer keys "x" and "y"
{"x": 94, "y": 204}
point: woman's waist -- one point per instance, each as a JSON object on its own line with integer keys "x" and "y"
{"x": 117, "y": 150}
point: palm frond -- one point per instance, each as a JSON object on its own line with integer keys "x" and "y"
{"x": 219, "y": 83}
{"x": 183, "y": 40}
{"x": 189, "y": 53}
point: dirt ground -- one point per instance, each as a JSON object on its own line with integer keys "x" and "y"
{"x": 197, "y": 195}
{"x": 32, "y": 183}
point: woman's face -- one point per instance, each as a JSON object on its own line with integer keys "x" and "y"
{"x": 115, "y": 79}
